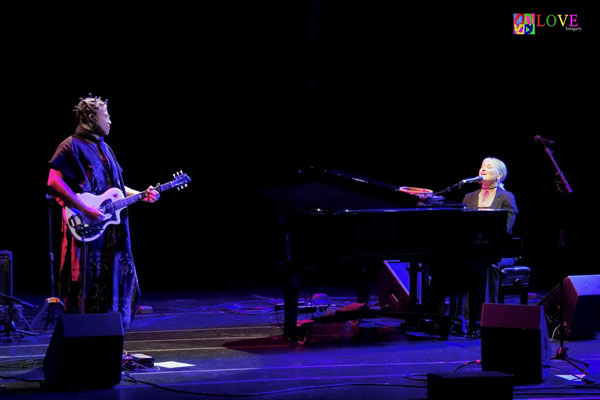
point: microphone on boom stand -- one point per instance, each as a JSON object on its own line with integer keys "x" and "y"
{"x": 459, "y": 184}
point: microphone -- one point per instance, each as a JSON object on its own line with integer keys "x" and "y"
{"x": 545, "y": 142}
{"x": 469, "y": 180}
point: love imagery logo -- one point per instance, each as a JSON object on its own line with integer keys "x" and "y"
{"x": 528, "y": 23}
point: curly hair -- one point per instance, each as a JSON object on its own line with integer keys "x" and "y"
{"x": 88, "y": 106}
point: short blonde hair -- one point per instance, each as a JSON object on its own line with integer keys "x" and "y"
{"x": 501, "y": 168}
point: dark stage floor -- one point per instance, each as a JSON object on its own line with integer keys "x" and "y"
{"x": 230, "y": 345}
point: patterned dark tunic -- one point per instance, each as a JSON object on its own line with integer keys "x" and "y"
{"x": 99, "y": 275}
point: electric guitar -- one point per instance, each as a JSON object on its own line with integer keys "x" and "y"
{"x": 110, "y": 204}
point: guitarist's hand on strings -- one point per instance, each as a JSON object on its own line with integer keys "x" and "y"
{"x": 151, "y": 195}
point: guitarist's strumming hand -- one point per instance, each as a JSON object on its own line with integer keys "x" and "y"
{"x": 93, "y": 214}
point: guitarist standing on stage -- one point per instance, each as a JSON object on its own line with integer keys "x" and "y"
{"x": 97, "y": 276}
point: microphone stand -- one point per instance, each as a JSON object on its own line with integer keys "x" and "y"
{"x": 449, "y": 188}
{"x": 561, "y": 354}
{"x": 50, "y": 303}
{"x": 459, "y": 184}
{"x": 562, "y": 185}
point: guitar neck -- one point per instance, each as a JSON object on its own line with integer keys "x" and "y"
{"x": 127, "y": 201}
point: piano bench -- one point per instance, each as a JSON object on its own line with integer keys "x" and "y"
{"x": 514, "y": 280}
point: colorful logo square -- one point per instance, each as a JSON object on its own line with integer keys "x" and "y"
{"x": 524, "y": 24}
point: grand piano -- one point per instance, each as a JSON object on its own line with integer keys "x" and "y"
{"x": 334, "y": 217}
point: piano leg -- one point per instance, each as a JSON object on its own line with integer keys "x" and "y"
{"x": 478, "y": 272}
{"x": 415, "y": 286}
{"x": 476, "y": 299}
{"x": 291, "y": 293}
{"x": 363, "y": 281}
{"x": 439, "y": 286}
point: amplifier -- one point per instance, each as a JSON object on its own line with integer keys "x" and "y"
{"x": 6, "y": 284}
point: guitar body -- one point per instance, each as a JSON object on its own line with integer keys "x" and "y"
{"x": 85, "y": 230}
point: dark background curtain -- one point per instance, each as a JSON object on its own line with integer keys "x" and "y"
{"x": 240, "y": 94}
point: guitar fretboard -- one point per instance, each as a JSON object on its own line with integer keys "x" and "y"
{"x": 127, "y": 201}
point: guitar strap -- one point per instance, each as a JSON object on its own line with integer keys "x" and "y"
{"x": 113, "y": 166}
{"x": 102, "y": 155}
{"x": 107, "y": 157}
{"x": 105, "y": 162}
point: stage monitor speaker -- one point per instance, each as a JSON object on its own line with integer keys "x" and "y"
{"x": 85, "y": 351}
{"x": 514, "y": 340}
{"x": 393, "y": 284}
{"x": 479, "y": 385}
{"x": 580, "y": 307}
{"x": 6, "y": 285}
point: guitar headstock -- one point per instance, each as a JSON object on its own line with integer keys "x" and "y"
{"x": 180, "y": 180}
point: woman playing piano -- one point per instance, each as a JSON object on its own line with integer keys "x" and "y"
{"x": 493, "y": 195}
{"x": 471, "y": 275}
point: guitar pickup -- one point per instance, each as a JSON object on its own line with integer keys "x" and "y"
{"x": 75, "y": 220}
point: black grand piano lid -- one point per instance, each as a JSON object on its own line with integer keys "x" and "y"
{"x": 315, "y": 188}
